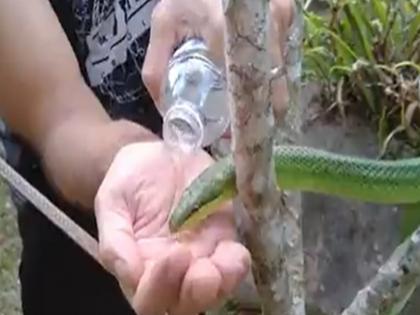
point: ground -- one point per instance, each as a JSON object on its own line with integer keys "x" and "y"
{"x": 10, "y": 247}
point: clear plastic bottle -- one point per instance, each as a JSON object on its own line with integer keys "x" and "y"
{"x": 194, "y": 99}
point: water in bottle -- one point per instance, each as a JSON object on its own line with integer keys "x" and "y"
{"x": 194, "y": 97}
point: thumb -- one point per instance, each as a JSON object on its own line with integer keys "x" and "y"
{"x": 161, "y": 45}
{"x": 280, "y": 21}
{"x": 118, "y": 249}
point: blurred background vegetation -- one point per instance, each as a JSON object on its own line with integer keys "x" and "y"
{"x": 366, "y": 55}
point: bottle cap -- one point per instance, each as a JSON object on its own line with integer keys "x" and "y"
{"x": 182, "y": 127}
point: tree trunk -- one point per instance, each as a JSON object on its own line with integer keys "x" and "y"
{"x": 345, "y": 241}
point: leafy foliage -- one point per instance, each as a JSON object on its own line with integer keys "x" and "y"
{"x": 366, "y": 54}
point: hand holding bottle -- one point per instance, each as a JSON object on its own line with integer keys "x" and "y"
{"x": 184, "y": 68}
{"x": 172, "y": 23}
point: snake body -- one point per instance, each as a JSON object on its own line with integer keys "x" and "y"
{"x": 305, "y": 169}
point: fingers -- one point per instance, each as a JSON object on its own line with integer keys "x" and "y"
{"x": 210, "y": 280}
{"x": 281, "y": 20}
{"x": 233, "y": 262}
{"x": 205, "y": 237}
{"x": 161, "y": 282}
{"x": 200, "y": 288}
{"x": 214, "y": 33}
{"x": 173, "y": 22}
{"x": 160, "y": 49}
{"x": 117, "y": 246}
{"x": 194, "y": 276}
{"x": 220, "y": 265}
{"x": 282, "y": 16}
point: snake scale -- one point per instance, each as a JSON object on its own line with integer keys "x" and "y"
{"x": 305, "y": 169}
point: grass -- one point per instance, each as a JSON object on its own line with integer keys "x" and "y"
{"x": 366, "y": 54}
{"x": 10, "y": 247}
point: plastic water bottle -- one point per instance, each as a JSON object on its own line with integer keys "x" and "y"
{"x": 194, "y": 96}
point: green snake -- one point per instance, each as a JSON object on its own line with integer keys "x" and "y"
{"x": 305, "y": 169}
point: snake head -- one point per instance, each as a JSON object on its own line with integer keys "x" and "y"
{"x": 203, "y": 196}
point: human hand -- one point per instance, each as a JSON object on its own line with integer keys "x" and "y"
{"x": 174, "y": 21}
{"x": 158, "y": 272}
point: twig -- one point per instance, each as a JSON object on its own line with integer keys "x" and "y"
{"x": 248, "y": 73}
{"x": 388, "y": 292}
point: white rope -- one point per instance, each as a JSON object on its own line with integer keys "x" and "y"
{"x": 46, "y": 207}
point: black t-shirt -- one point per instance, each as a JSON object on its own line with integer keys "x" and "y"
{"x": 109, "y": 39}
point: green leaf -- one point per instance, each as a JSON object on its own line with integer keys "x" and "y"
{"x": 318, "y": 65}
{"x": 362, "y": 12}
{"x": 373, "y": 47}
{"x": 408, "y": 64}
{"x": 345, "y": 70}
{"x": 379, "y": 8}
{"x": 343, "y": 48}
{"x": 383, "y": 126}
{"x": 365, "y": 92}
{"x": 396, "y": 32}
{"x": 413, "y": 28}
{"x": 363, "y": 44}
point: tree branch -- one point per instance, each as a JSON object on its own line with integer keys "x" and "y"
{"x": 248, "y": 72}
{"x": 393, "y": 285}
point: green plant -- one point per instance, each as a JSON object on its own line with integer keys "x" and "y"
{"x": 366, "y": 55}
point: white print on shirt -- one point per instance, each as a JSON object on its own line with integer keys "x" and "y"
{"x": 111, "y": 35}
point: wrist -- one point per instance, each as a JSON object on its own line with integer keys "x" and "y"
{"x": 77, "y": 156}
{"x": 120, "y": 133}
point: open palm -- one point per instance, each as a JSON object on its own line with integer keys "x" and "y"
{"x": 159, "y": 272}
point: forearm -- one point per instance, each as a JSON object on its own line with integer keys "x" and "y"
{"x": 78, "y": 145}
{"x": 78, "y": 154}
{"x": 44, "y": 100}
